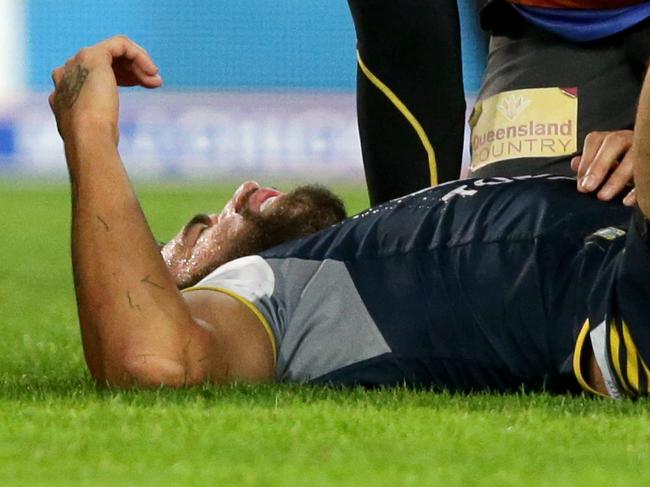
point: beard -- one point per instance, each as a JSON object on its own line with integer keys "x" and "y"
{"x": 303, "y": 211}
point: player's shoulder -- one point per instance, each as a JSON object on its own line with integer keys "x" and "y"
{"x": 229, "y": 299}
{"x": 250, "y": 277}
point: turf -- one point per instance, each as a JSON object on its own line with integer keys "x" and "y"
{"x": 57, "y": 429}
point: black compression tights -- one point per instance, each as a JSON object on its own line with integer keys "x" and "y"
{"x": 410, "y": 98}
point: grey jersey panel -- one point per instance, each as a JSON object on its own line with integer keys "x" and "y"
{"x": 319, "y": 321}
{"x": 326, "y": 324}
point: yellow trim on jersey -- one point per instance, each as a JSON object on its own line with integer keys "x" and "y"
{"x": 645, "y": 369}
{"x": 262, "y": 319}
{"x": 577, "y": 357}
{"x": 614, "y": 345}
{"x": 431, "y": 154}
{"x": 635, "y": 363}
{"x": 647, "y": 374}
{"x": 632, "y": 355}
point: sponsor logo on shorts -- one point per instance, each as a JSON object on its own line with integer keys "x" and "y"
{"x": 610, "y": 233}
{"x": 539, "y": 122}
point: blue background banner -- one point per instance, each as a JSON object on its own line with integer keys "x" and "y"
{"x": 222, "y": 44}
{"x": 250, "y": 85}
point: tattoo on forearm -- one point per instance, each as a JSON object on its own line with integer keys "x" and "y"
{"x": 132, "y": 304}
{"x": 146, "y": 280}
{"x": 70, "y": 85}
{"x": 103, "y": 223}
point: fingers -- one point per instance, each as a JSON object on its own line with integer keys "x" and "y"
{"x": 128, "y": 73}
{"x": 138, "y": 62}
{"x": 630, "y": 199}
{"x": 575, "y": 163}
{"x": 617, "y": 180}
{"x": 131, "y": 63}
{"x": 57, "y": 76}
{"x": 127, "y": 61}
{"x": 602, "y": 153}
{"x": 592, "y": 144}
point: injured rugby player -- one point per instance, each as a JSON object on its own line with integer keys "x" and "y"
{"x": 492, "y": 284}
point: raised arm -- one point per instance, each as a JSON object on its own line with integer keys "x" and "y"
{"x": 136, "y": 327}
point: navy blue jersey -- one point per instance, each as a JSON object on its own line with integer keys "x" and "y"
{"x": 477, "y": 284}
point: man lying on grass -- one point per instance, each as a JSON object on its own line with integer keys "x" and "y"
{"x": 496, "y": 284}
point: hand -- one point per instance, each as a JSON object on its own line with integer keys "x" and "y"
{"x": 606, "y": 158}
{"x": 85, "y": 88}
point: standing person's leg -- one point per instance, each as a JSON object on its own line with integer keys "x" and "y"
{"x": 410, "y": 97}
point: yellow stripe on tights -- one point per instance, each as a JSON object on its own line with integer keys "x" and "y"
{"x": 431, "y": 154}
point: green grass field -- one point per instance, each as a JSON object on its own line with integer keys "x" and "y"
{"x": 57, "y": 429}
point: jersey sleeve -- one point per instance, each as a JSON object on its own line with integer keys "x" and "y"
{"x": 251, "y": 281}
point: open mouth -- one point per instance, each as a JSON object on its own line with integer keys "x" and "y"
{"x": 262, "y": 199}
{"x": 268, "y": 202}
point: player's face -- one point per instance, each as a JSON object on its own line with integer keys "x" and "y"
{"x": 205, "y": 239}
{"x": 254, "y": 219}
